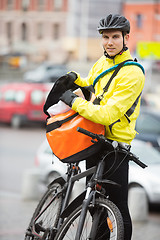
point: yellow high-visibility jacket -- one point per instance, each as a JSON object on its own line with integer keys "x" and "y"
{"x": 123, "y": 91}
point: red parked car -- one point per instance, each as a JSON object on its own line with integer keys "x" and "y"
{"x": 22, "y": 102}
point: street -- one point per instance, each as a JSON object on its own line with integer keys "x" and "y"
{"x": 17, "y": 151}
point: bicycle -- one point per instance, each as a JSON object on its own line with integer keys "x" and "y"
{"x": 56, "y": 219}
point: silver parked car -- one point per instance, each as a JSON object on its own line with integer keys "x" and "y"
{"x": 147, "y": 178}
{"x": 50, "y": 167}
{"x": 45, "y": 72}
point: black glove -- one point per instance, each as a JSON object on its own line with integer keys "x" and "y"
{"x": 68, "y": 79}
{"x": 68, "y": 97}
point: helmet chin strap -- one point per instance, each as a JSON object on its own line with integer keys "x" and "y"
{"x": 112, "y": 57}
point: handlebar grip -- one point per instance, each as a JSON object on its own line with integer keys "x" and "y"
{"x": 84, "y": 131}
{"x": 137, "y": 161}
{"x": 100, "y": 138}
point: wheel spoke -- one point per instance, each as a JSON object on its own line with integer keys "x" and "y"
{"x": 110, "y": 225}
{"x": 46, "y": 215}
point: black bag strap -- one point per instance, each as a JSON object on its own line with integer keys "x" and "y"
{"x": 132, "y": 108}
{"x": 50, "y": 127}
{"x": 129, "y": 112}
{"x": 105, "y": 89}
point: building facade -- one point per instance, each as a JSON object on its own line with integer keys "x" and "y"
{"x": 144, "y": 16}
{"x": 34, "y": 27}
{"x": 64, "y": 30}
{"x": 83, "y": 18}
{"x": 56, "y": 30}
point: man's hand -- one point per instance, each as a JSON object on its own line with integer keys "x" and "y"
{"x": 68, "y": 79}
{"x": 68, "y": 97}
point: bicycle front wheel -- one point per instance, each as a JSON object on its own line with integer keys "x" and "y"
{"x": 110, "y": 226}
{"x": 46, "y": 215}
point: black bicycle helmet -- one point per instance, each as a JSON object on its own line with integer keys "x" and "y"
{"x": 114, "y": 21}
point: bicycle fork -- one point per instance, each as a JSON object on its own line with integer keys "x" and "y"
{"x": 89, "y": 196}
{"x": 86, "y": 201}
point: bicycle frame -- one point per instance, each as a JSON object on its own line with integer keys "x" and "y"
{"x": 69, "y": 186}
{"x": 90, "y": 195}
{"x": 91, "y": 191}
{"x": 85, "y": 198}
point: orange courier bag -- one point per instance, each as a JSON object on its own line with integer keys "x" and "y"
{"x": 66, "y": 142}
{"x": 61, "y": 129}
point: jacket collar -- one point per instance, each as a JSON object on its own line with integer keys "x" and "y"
{"x": 120, "y": 57}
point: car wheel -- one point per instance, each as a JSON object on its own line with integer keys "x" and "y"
{"x": 16, "y": 121}
{"x": 51, "y": 177}
{"x": 136, "y": 185}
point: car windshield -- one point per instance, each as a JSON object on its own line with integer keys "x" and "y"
{"x": 146, "y": 153}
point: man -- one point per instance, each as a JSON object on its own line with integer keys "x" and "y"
{"x": 119, "y": 105}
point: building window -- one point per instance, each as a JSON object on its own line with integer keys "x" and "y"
{"x": 58, "y": 4}
{"x": 139, "y": 20}
{"x": 41, "y": 5}
{"x": 39, "y": 30}
{"x": 10, "y": 5}
{"x": 24, "y": 32}
{"x": 56, "y": 31}
{"x": 9, "y": 32}
{"x": 25, "y": 4}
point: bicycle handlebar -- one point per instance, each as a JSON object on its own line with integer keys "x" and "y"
{"x": 86, "y": 132}
{"x": 137, "y": 161}
{"x": 101, "y": 138}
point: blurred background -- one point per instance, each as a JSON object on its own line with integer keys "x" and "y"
{"x": 41, "y": 40}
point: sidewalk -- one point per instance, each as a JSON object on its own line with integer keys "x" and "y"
{"x": 149, "y": 230}
{"x": 16, "y": 214}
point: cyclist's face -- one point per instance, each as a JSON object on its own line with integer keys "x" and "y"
{"x": 112, "y": 41}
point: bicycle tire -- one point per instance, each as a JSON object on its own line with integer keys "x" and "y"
{"x": 114, "y": 219}
{"x": 42, "y": 220}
